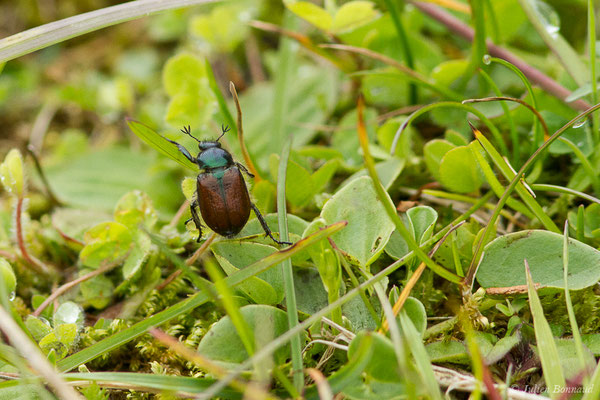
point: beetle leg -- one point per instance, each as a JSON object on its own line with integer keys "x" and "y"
{"x": 195, "y": 218}
{"x": 264, "y": 225}
{"x": 240, "y": 166}
{"x": 183, "y": 151}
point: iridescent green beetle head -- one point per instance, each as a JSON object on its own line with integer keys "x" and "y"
{"x": 211, "y": 154}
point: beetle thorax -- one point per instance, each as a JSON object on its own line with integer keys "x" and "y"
{"x": 214, "y": 157}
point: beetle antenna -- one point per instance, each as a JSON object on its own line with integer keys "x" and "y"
{"x": 225, "y": 129}
{"x": 188, "y": 131}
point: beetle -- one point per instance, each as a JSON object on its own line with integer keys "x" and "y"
{"x": 221, "y": 192}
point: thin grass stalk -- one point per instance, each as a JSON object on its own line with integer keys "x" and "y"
{"x": 592, "y": 53}
{"x": 514, "y": 135}
{"x": 404, "y": 45}
{"x": 543, "y": 187}
{"x": 569, "y": 303}
{"x": 525, "y": 81}
{"x": 286, "y": 266}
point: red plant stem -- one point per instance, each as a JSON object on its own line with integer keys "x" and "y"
{"x": 533, "y": 74}
{"x": 19, "y": 228}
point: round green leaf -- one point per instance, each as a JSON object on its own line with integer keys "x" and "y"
{"x": 502, "y": 264}
{"x": 459, "y": 171}
{"x": 433, "y": 152}
{"x": 222, "y": 344}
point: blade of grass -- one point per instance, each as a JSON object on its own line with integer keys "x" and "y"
{"x": 591, "y": 26}
{"x": 547, "y": 351}
{"x": 45, "y": 35}
{"x": 497, "y": 186}
{"x": 404, "y": 45}
{"x": 514, "y": 135}
{"x": 400, "y": 346}
{"x": 286, "y": 266}
{"x": 231, "y": 308}
{"x": 196, "y": 300}
{"x": 389, "y": 206}
{"x": 421, "y": 358}
{"x": 570, "y": 311}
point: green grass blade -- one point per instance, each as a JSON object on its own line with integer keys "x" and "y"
{"x": 286, "y": 266}
{"x": 548, "y": 353}
{"x": 570, "y": 311}
{"x": 421, "y": 358}
{"x": 157, "y": 142}
{"x": 131, "y": 380}
{"x": 55, "y": 32}
{"x": 404, "y": 45}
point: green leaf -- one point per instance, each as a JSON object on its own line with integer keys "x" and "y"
{"x": 97, "y": 291}
{"x": 420, "y": 221}
{"x": 135, "y": 208}
{"x": 311, "y": 13}
{"x": 369, "y": 227}
{"x": 37, "y": 327}
{"x": 502, "y": 262}
{"x": 139, "y": 252}
{"x": 459, "y": 171}
{"x": 222, "y": 344}
{"x": 191, "y": 108}
{"x": 11, "y": 173}
{"x": 417, "y": 314}
{"x": 433, "y": 153}
{"x": 8, "y": 276}
{"x": 183, "y": 73}
{"x": 325, "y": 258}
{"x": 383, "y": 365}
{"x": 225, "y": 27}
{"x": 448, "y": 351}
{"x": 105, "y": 243}
{"x": 310, "y": 296}
{"x": 159, "y": 143}
{"x": 353, "y": 14}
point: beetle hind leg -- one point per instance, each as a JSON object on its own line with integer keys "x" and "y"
{"x": 195, "y": 218}
{"x": 265, "y": 227}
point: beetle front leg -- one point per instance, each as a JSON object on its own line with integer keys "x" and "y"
{"x": 195, "y": 218}
{"x": 264, "y": 225}
{"x": 183, "y": 151}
